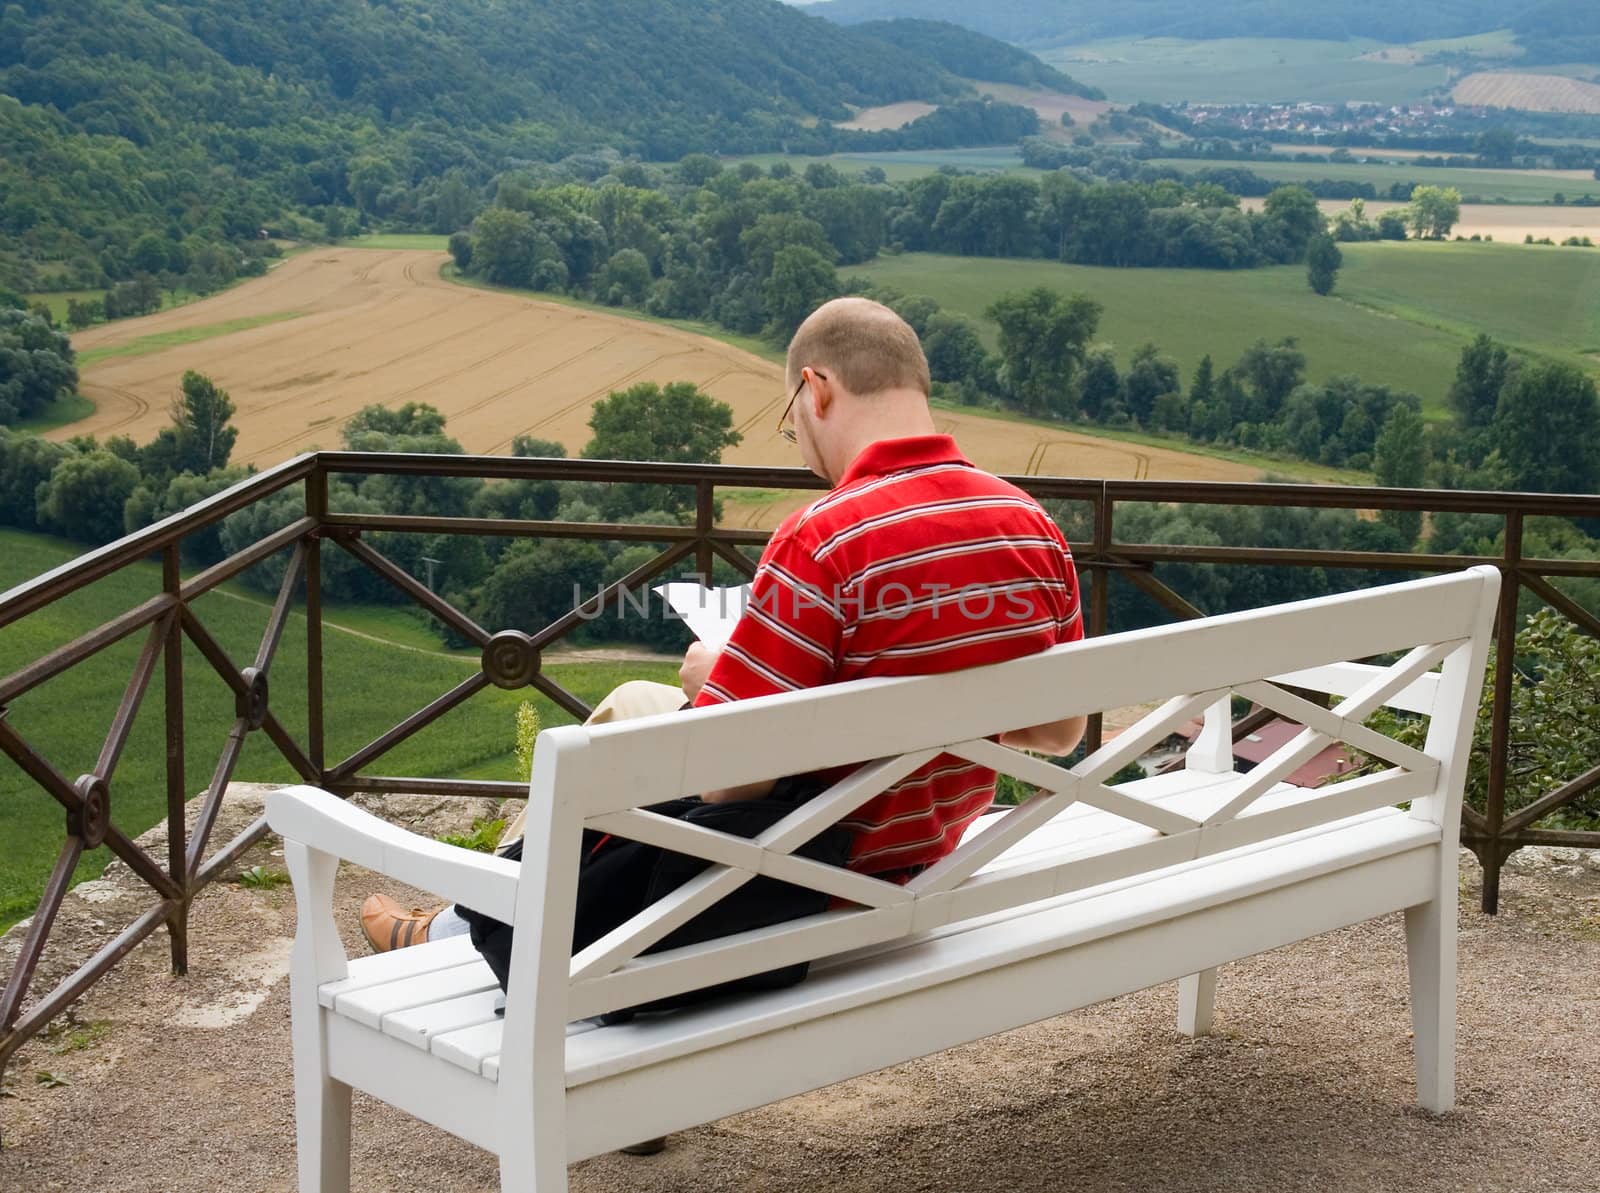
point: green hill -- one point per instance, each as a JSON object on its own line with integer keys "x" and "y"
{"x": 370, "y": 686}
{"x": 973, "y": 56}
{"x": 201, "y": 122}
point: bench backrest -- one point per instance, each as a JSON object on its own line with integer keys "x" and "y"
{"x": 600, "y": 777}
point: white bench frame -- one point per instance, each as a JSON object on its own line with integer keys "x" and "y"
{"x": 1083, "y": 893}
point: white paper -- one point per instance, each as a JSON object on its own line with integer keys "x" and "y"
{"x": 711, "y": 613}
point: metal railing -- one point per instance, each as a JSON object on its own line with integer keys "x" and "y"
{"x": 510, "y": 657}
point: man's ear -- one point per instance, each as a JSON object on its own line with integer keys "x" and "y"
{"x": 820, "y": 391}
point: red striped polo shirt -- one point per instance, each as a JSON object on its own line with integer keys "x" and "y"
{"x": 918, "y": 562}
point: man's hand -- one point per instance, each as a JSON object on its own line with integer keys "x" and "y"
{"x": 1057, "y": 738}
{"x": 697, "y": 663}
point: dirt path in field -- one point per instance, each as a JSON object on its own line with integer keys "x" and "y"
{"x": 182, "y": 1085}
{"x": 382, "y": 326}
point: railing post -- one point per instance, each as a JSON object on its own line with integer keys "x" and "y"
{"x": 704, "y": 524}
{"x": 177, "y": 783}
{"x": 1495, "y": 852}
{"x": 1099, "y": 593}
{"x": 316, "y": 507}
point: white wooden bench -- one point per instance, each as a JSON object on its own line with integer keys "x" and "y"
{"x": 1082, "y": 893}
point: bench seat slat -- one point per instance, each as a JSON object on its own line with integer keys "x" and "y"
{"x": 469, "y": 1047}
{"x": 370, "y": 1005}
{"x": 401, "y": 963}
{"x": 417, "y": 1025}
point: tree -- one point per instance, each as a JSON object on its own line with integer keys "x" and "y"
{"x": 1496, "y": 146}
{"x": 675, "y": 424}
{"x": 1353, "y": 224}
{"x": 1101, "y": 388}
{"x": 36, "y": 365}
{"x": 461, "y": 249}
{"x": 1480, "y": 376}
{"x": 26, "y": 462}
{"x": 1150, "y": 376}
{"x": 1547, "y": 426}
{"x": 1202, "y": 399}
{"x": 697, "y": 169}
{"x": 1294, "y": 210}
{"x": 523, "y": 498}
{"x": 1043, "y": 336}
{"x": 1267, "y": 374}
{"x": 761, "y": 243}
{"x": 84, "y": 314}
{"x": 414, "y": 427}
{"x": 505, "y": 247}
{"x": 1323, "y": 260}
{"x": 151, "y": 254}
{"x": 1433, "y": 211}
{"x": 1391, "y": 226}
{"x": 536, "y": 582}
{"x": 200, "y": 416}
{"x": 84, "y": 496}
{"x": 412, "y": 419}
{"x": 955, "y": 351}
{"x": 625, "y": 280}
{"x": 1203, "y": 387}
{"x": 1400, "y": 461}
{"x": 802, "y": 280}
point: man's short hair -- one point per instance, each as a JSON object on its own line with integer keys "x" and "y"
{"x": 863, "y": 344}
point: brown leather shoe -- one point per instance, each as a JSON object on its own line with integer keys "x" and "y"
{"x": 389, "y": 925}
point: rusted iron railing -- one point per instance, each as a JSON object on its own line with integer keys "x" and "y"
{"x": 510, "y": 656}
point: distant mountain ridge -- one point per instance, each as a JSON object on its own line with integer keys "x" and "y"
{"x": 1058, "y": 22}
{"x": 973, "y": 56}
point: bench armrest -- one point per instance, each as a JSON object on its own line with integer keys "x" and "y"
{"x": 327, "y": 824}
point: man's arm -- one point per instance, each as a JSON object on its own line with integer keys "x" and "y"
{"x": 1055, "y": 738}
{"x": 697, "y": 664}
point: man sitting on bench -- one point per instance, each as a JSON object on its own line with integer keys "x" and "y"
{"x": 916, "y": 562}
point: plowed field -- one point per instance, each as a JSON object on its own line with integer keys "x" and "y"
{"x": 1531, "y": 93}
{"x": 382, "y": 326}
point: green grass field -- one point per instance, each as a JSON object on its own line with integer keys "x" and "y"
{"x": 1243, "y": 70}
{"x": 370, "y": 687}
{"x": 1508, "y": 186}
{"x": 398, "y": 240}
{"x": 1400, "y": 316}
{"x": 1541, "y": 300}
{"x": 58, "y": 414}
{"x": 144, "y": 345}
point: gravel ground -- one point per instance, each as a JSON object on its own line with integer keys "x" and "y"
{"x": 176, "y": 1085}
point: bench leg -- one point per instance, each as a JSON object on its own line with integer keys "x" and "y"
{"x": 1197, "y": 999}
{"x": 322, "y": 1126}
{"x": 321, "y": 1104}
{"x": 1431, "y": 961}
{"x": 520, "y": 1172}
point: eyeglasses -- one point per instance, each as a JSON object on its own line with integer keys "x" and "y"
{"x": 785, "y": 430}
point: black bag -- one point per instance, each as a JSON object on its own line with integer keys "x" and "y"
{"x": 618, "y": 878}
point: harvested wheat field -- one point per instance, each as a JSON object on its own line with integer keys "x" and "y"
{"x": 1530, "y": 93}
{"x": 1050, "y": 104}
{"x": 1506, "y": 222}
{"x": 354, "y": 327}
{"x": 889, "y": 116}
